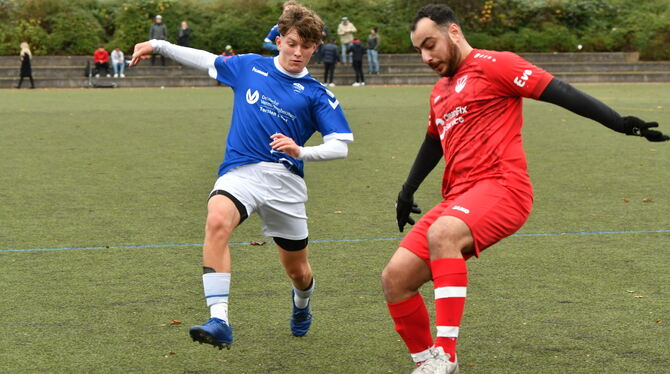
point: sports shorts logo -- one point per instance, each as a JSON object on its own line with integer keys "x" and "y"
{"x": 252, "y": 98}
{"x": 460, "y": 208}
{"x": 460, "y": 83}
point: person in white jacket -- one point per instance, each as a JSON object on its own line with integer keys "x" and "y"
{"x": 346, "y": 32}
{"x": 118, "y": 62}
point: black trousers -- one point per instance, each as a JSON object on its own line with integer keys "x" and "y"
{"x": 358, "y": 68}
{"x": 101, "y": 66}
{"x": 153, "y": 59}
{"x": 32, "y": 83}
{"x": 328, "y": 72}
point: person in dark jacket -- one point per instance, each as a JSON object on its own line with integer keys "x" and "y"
{"x": 330, "y": 57}
{"x": 158, "y": 32}
{"x": 357, "y": 51}
{"x": 26, "y": 68}
{"x": 183, "y": 35}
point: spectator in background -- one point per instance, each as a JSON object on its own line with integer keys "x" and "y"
{"x": 330, "y": 56}
{"x": 319, "y": 50}
{"x": 101, "y": 61}
{"x": 183, "y": 35}
{"x": 228, "y": 51}
{"x": 346, "y": 32}
{"x": 373, "y": 51}
{"x": 357, "y": 51}
{"x": 26, "y": 67}
{"x": 158, "y": 32}
{"x": 118, "y": 63}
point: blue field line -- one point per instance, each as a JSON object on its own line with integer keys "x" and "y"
{"x": 326, "y": 241}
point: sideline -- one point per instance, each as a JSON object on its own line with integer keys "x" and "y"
{"x": 325, "y": 241}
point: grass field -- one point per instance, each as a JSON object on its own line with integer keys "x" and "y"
{"x": 103, "y": 205}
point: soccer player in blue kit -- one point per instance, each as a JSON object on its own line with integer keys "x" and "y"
{"x": 277, "y": 108}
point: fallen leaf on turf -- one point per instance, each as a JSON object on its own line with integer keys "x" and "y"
{"x": 638, "y": 296}
{"x": 647, "y": 200}
{"x": 626, "y": 200}
{"x": 175, "y": 322}
{"x": 630, "y": 291}
{"x": 658, "y": 321}
{"x": 338, "y": 212}
{"x": 254, "y": 242}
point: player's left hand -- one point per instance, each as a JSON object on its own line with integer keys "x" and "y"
{"x": 638, "y": 127}
{"x": 142, "y": 51}
{"x": 404, "y": 206}
{"x": 281, "y": 142}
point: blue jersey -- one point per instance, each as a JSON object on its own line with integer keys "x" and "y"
{"x": 272, "y": 34}
{"x": 270, "y": 100}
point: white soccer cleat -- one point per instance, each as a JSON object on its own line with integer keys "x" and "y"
{"x": 438, "y": 364}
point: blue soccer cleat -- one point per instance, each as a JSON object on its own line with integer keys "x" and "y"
{"x": 215, "y": 332}
{"x": 300, "y": 320}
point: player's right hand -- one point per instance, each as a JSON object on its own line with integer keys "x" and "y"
{"x": 638, "y": 127}
{"x": 404, "y": 206}
{"x": 142, "y": 52}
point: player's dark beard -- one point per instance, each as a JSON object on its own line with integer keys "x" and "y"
{"x": 454, "y": 59}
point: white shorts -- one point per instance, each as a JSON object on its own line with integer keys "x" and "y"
{"x": 274, "y": 192}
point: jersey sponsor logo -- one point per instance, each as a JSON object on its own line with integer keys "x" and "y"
{"x": 252, "y": 98}
{"x": 451, "y": 119}
{"x": 460, "y": 83}
{"x": 297, "y": 87}
{"x": 263, "y": 73}
{"x": 521, "y": 81}
{"x": 461, "y": 209}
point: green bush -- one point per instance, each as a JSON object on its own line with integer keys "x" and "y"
{"x": 78, "y": 26}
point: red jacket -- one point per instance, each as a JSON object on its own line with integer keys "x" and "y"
{"x": 100, "y": 56}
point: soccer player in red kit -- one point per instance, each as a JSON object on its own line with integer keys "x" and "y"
{"x": 475, "y": 125}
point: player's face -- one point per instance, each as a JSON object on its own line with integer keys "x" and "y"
{"x": 294, "y": 53}
{"x": 436, "y": 47}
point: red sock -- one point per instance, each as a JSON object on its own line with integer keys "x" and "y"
{"x": 450, "y": 278}
{"x": 413, "y": 324}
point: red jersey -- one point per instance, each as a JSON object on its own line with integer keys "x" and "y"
{"x": 477, "y": 115}
{"x": 100, "y": 55}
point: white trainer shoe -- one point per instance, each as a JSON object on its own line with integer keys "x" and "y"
{"x": 123, "y": 75}
{"x": 116, "y": 75}
{"x": 355, "y": 84}
{"x": 438, "y": 364}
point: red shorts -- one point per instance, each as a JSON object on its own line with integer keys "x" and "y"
{"x": 491, "y": 211}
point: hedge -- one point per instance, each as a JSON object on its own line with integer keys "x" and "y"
{"x": 77, "y": 27}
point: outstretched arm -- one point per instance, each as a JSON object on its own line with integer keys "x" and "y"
{"x": 563, "y": 94}
{"x": 195, "y": 58}
{"x": 429, "y": 155}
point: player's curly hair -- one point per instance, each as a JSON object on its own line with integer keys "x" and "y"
{"x": 306, "y": 23}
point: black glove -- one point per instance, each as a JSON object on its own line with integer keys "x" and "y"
{"x": 403, "y": 207}
{"x": 637, "y": 127}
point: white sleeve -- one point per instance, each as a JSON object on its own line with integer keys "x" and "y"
{"x": 191, "y": 57}
{"x": 331, "y": 149}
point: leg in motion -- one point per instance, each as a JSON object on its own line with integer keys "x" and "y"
{"x": 401, "y": 279}
{"x": 222, "y": 218}
{"x": 293, "y": 256}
